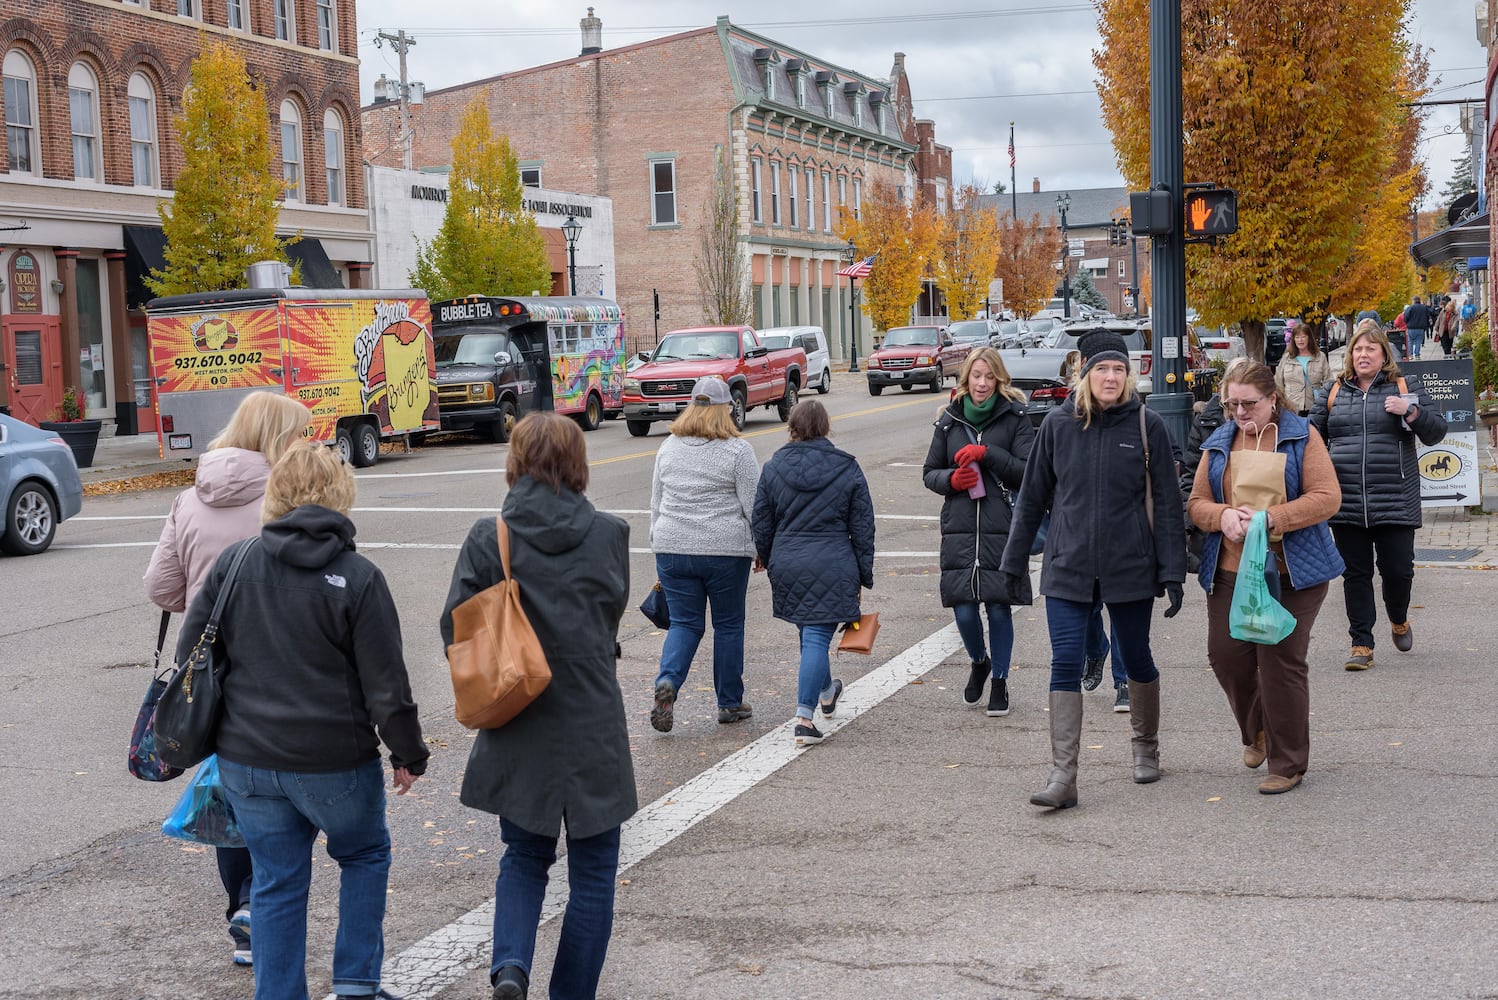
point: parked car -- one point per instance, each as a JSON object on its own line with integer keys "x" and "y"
{"x": 813, "y": 341}
{"x": 1274, "y": 340}
{"x": 915, "y": 355}
{"x": 1036, "y": 371}
{"x": 39, "y": 485}
{"x": 1222, "y": 348}
{"x": 1138, "y": 336}
{"x": 756, "y": 375}
{"x": 1006, "y": 334}
{"x": 972, "y": 332}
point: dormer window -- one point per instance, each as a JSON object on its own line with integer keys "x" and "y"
{"x": 878, "y": 100}
{"x": 766, "y": 59}
{"x": 796, "y": 70}
{"x": 827, "y": 81}
{"x": 852, "y": 91}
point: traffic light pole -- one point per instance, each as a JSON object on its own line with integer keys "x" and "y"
{"x": 1171, "y": 397}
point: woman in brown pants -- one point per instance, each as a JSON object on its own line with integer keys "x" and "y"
{"x": 1267, "y": 686}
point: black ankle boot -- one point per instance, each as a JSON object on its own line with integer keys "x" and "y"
{"x": 511, "y": 984}
{"x": 979, "y": 670}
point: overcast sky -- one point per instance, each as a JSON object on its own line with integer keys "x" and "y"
{"x": 972, "y": 73}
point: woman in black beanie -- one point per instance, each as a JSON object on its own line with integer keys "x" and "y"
{"x": 1103, "y": 466}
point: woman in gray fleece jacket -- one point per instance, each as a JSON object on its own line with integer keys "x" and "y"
{"x": 701, "y": 499}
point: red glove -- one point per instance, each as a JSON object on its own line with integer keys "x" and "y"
{"x": 965, "y": 478}
{"x": 970, "y": 453}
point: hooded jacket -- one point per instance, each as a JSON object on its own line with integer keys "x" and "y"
{"x": 1092, "y": 480}
{"x": 814, "y": 531}
{"x": 566, "y": 755}
{"x": 973, "y": 532}
{"x": 316, "y": 677}
{"x": 221, "y": 507}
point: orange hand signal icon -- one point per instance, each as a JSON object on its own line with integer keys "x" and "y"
{"x": 1200, "y": 213}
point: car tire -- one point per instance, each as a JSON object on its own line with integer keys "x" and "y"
{"x": 739, "y": 407}
{"x": 30, "y": 520}
{"x": 875, "y": 390}
{"x": 500, "y": 428}
{"x": 592, "y": 414}
{"x": 344, "y": 442}
{"x": 366, "y": 442}
{"x": 787, "y": 402}
{"x": 825, "y": 386}
{"x": 638, "y": 428}
{"x": 935, "y": 384}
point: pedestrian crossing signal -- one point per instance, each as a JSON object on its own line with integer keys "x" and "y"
{"x": 1211, "y": 212}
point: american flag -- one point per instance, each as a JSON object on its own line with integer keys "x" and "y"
{"x": 1011, "y": 152}
{"x": 858, "y": 270}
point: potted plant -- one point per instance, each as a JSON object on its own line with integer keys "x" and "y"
{"x": 78, "y": 432}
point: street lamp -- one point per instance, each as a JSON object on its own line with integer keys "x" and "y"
{"x": 853, "y": 310}
{"x": 1063, "y": 202}
{"x": 572, "y": 229}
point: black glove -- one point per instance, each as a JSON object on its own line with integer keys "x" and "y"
{"x": 1016, "y": 589}
{"x": 1176, "y": 593}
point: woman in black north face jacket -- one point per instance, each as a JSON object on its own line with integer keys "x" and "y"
{"x": 983, "y": 436}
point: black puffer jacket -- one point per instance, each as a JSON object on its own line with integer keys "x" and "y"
{"x": 1092, "y": 481}
{"x": 1373, "y": 453}
{"x": 973, "y": 532}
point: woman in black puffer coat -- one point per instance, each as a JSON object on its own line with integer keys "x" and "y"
{"x": 983, "y": 436}
{"x": 814, "y": 531}
{"x": 1370, "y": 431}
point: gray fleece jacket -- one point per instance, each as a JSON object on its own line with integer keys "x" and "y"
{"x": 702, "y": 496}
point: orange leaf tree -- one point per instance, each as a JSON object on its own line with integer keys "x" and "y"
{"x": 967, "y": 252}
{"x": 1294, "y": 104}
{"x": 905, "y": 239}
{"x": 1028, "y": 252}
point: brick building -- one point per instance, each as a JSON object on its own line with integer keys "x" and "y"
{"x": 651, "y": 125}
{"x": 92, "y": 89}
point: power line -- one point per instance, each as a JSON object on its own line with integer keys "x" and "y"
{"x": 995, "y": 97}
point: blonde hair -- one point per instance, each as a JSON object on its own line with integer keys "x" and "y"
{"x": 1071, "y": 367}
{"x": 995, "y": 362}
{"x": 308, "y": 473}
{"x": 267, "y": 422}
{"x": 1085, "y": 405}
{"x": 1370, "y": 329}
{"x": 713, "y": 421}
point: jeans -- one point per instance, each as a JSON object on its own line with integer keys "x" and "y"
{"x": 1417, "y": 340}
{"x": 692, "y": 583}
{"x": 236, "y": 871}
{"x": 592, "y": 864}
{"x": 814, "y": 682}
{"x": 1068, "y": 620}
{"x": 1393, "y": 549}
{"x": 280, "y": 813}
{"x": 1000, "y": 634}
{"x": 1101, "y": 644}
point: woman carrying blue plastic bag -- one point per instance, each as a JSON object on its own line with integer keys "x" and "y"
{"x": 1267, "y": 686}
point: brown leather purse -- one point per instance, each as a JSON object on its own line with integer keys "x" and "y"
{"x": 858, "y": 637}
{"x": 498, "y": 665}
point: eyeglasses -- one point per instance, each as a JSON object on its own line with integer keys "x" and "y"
{"x": 1241, "y": 404}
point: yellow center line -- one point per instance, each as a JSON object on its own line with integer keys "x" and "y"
{"x": 781, "y": 429}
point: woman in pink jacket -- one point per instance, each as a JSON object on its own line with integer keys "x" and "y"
{"x": 221, "y": 507}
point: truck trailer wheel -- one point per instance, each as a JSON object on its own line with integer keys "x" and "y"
{"x": 499, "y": 430}
{"x": 344, "y": 442}
{"x": 787, "y": 402}
{"x": 366, "y": 441}
{"x": 638, "y": 428}
{"x": 592, "y": 414}
{"x": 739, "y": 407}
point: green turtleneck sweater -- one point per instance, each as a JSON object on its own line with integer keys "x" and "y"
{"x": 979, "y": 414}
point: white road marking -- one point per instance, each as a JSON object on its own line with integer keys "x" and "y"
{"x": 432, "y": 964}
{"x": 618, "y": 512}
{"x": 418, "y": 475}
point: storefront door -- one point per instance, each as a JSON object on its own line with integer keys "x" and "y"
{"x": 33, "y": 368}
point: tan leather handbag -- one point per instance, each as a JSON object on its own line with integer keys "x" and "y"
{"x": 858, "y": 637}
{"x": 498, "y": 666}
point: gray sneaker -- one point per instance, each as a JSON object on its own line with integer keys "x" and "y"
{"x": 1121, "y": 698}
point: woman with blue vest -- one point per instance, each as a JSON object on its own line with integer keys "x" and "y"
{"x": 1268, "y": 687}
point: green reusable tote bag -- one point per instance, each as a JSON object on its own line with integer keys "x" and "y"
{"x": 1256, "y": 616}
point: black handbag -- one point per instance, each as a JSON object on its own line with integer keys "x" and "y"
{"x": 145, "y": 761}
{"x": 654, "y": 607}
{"x": 186, "y": 720}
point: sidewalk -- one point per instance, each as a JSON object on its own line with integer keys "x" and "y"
{"x": 126, "y": 457}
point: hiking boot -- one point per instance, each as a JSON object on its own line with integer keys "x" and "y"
{"x": 807, "y": 734}
{"x": 511, "y": 983}
{"x": 978, "y": 671}
{"x": 1361, "y": 658}
{"x": 829, "y": 707}
{"x": 735, "y": 713}
{"x": 998, "y": 698}
{"x": 1092, "y": 676}
{"x": 662, "y": 715}
{"x": 1404, "y": 637}
{"x": 1121, "y": 698}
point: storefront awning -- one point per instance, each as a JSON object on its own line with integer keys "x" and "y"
{"x": 145, "y": 248}
{"x": 1469, "y": 239}
{"x": 317, "y": 270}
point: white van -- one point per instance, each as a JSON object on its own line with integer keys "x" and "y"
{"x": 813, "y": 341}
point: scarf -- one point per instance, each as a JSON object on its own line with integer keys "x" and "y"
{"x": 979, "y": 414}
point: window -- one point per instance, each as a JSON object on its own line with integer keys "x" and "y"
{"x": 769, "y": 81}
{"x": 811, "y": 200}
{"x": 530, "y": 177}
{"x": 774, "y": 194}
{"x": 143, "y": 131}
{"x": 756, "y": 189}
{"x": 1121, "y": 274}
{"x": 332, "y": 142}
{"x": 238, "y": 16}
{"x": 189, "y": 8}
{"x": 857, "y": 110}
{"x": 285, "y": 25}
{"x": 842, "y": 189}
{"x": 800, "y": 90}
{"x": 83, "y": 110}
{"x": 828, "y": 93}
{"x": 663, "y": 193}
{"x": 857, "y": 198}
{"x": 291, "y": 151}
{"x": 327, "y": 25}
{"x": 826, "y": 201}
{"x": 20, "y": 114}
{"x": 794, "y": 173}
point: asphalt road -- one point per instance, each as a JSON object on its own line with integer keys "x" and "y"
{"x": 901, "y": 856}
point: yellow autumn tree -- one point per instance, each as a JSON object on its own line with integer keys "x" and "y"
{"x": 1294, "y": 104}
{"x": 1028, "y": 252}
{"x": 905, "y": 238}
{"x": 967, "y": 253}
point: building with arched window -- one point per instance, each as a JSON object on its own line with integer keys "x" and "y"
{"x": 91, "y": 94}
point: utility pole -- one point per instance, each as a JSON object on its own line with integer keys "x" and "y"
{"x": 1171, "y": 398}
{"x": 402, "y": 44}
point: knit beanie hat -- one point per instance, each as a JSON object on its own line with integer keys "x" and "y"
{"x": 1102, "y": 345}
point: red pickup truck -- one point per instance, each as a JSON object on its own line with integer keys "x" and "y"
{"x": 756, "y": 375}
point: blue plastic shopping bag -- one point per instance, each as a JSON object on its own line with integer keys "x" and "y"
{"x": 203, "y": 815}
{"x": 1255, "y": 615}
